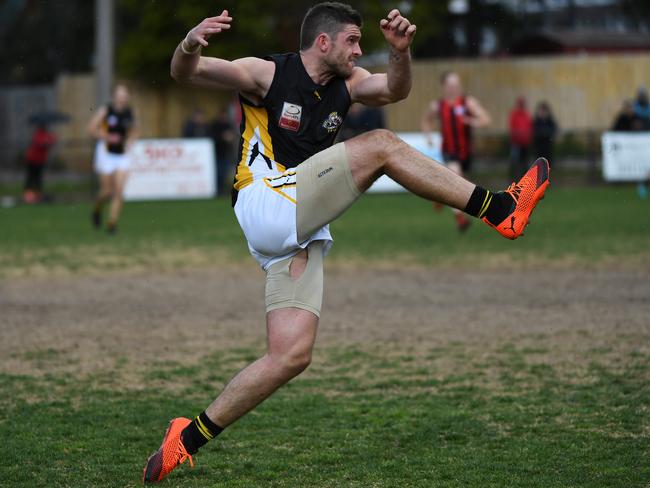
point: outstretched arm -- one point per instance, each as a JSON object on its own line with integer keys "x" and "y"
{"x": 251, "y": 76}
{"x": 395, "y": 84}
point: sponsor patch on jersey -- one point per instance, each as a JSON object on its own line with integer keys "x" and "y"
{"x": 290, "y": 118}
{"x": 332, "y": 122}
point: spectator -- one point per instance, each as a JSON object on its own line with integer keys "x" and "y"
{"x": 196, "y": 125}
{"x": 627, "y": 119}
{"x": 224, "y": 136}
{"x": 544, "y": 131}
{"x": 642, "y": 109}
{"x": 521, "y": 137}
{"x": 35, "y": 159}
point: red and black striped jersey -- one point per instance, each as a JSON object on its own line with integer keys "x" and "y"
{"x": 456, "y": 132}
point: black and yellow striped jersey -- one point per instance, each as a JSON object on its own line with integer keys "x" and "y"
{"x": 296, "y": 119}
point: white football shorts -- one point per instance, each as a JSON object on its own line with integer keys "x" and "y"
{"x": 107, "y": 162}
{"x": 266, "y": 211}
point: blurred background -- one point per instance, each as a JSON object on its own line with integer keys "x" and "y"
{"x": 59, "y": 59}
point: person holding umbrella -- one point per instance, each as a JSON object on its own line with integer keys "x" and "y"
{"x": 115, "y": 129}
{"x": 35, "y": 159}
{"x": 38, "y": 150}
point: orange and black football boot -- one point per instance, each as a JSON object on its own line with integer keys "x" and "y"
{"x": 526, "y": 193}
{"x": 172, "y": 453}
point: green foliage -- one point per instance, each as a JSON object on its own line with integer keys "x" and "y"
{"x": 151, "y": 30}
{"x": 39, "y": 40}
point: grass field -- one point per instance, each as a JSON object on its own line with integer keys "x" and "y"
{"x": 580, "y": 226}
{"x": 468, "y": 390}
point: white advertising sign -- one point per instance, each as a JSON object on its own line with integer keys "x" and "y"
{"x": 417, "y": 140}
{"x": 626, "y": 156}
{"x": 169, "y": 169}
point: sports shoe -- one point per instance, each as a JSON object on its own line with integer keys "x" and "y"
{"x": 526, "y": 193}
{"x": 171, "y": 453}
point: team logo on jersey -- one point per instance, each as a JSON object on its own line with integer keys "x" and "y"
{"x": 459, "y": 110}
{"x": 332, "y": 122}
{"x": 111, "y": 120}
{"x": 290, "y": 118}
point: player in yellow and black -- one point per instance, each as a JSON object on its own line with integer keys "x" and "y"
{"x": 292, "y": 182}
{"x": 114, "y": 127}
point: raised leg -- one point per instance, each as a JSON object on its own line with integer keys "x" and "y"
{"x": 331, "y": 181}
{"x": 381, "y": 152}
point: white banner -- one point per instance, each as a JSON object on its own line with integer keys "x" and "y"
{"x": 417, "y": 140}
{"x": 170, "y": 169}
{"x": 626, "y": 156}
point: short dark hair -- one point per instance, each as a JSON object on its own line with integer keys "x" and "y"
{"x": 328, "y": 17}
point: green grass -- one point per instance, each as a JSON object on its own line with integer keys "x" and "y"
{"x": 402, "y": 425}
{"x": 580, "y": 225}
{"x": 363, "y": 415}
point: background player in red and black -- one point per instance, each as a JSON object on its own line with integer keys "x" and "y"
{"x": 455, "y": 114}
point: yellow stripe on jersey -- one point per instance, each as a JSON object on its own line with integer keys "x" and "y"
{"x": 279, "y": 191}
{"x": 256, "y": 124}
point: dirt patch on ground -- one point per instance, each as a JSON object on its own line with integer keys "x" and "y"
{"x": 128, "y": 321}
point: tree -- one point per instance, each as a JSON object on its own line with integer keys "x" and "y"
{"x": 39, "y": 40}
{"x": 151, "y": 30}
{"x": 462, "y": 35}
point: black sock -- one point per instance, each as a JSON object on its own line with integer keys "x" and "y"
{"x": 199, "y": 432}
{"x": 495, "y": 207}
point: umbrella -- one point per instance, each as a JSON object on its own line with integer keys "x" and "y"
{"x": 48, "y": 117}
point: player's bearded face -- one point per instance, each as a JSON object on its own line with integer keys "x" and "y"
{"x": 345, "y": 51}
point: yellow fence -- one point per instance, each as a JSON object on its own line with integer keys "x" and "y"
{"x": 585, "y": 93}
{"x": 161, "y": 112}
